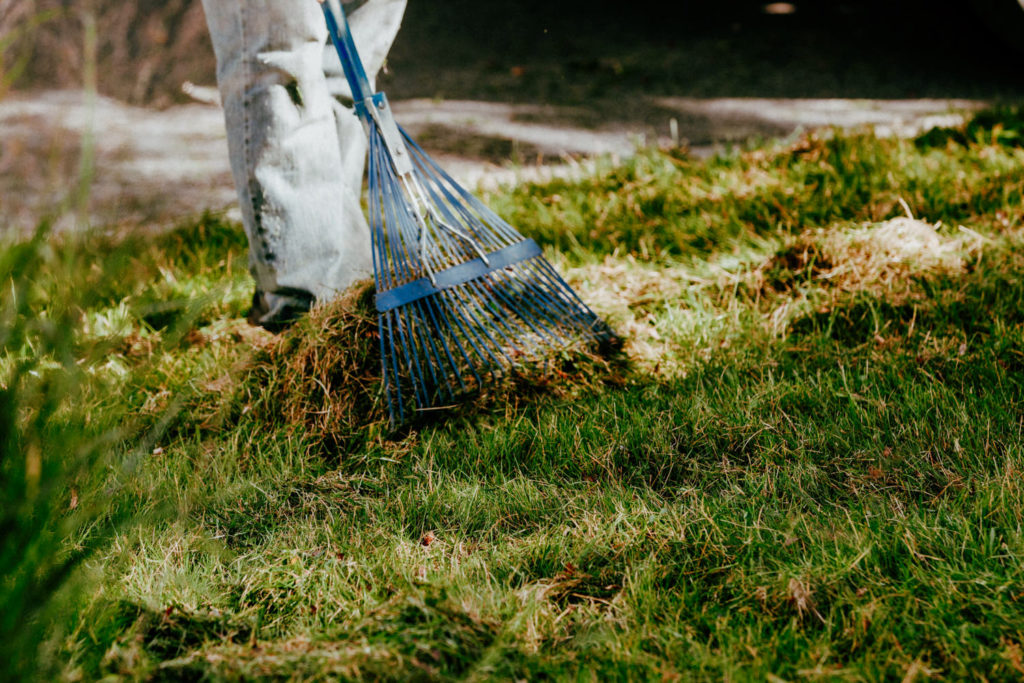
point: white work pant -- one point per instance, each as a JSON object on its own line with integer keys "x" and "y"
{"x": 297, "y": 153}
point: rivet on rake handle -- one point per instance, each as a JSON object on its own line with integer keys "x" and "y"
{"x": 461, "y": 295}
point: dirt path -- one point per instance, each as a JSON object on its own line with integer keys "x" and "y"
{"x": 156, "y": 168}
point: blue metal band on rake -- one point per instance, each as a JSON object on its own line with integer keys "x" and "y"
{"x": 462, "y": 296}
{"x": 457, "y": 275}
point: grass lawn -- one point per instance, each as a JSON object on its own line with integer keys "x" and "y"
{"x": 808, "y": 462}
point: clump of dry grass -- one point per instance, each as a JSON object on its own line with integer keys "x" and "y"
{"x": 884, "y": 259}
{"x": 877, "y": 256}
{"x": 630, "y": 294}
{"x": 324, "y": 375}
{"x": 662, "y": 308}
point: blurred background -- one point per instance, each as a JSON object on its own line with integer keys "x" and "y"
{"x": 574, "y": 50}
{"x": 487, "y": 83}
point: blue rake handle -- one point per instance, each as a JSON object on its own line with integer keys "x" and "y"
{"x": 341, "y": 36}
{"x": 373, "y": 108}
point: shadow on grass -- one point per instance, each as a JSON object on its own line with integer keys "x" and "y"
{"x": 409, "y": 637}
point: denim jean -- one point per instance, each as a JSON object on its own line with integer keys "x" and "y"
{"x": 297, "y": 152}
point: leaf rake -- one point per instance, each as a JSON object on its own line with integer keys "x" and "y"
{"x": 462, "y": 296}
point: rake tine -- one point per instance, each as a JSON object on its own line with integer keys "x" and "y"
{"x": 388, "y": 359}
{"x": 526, "y": 313}
{"x": 502, "y": 324}
{"x": 446, "y": 202}
{"x": 487, "y": 216}
{"x": 480, "y": 337}
{"x": 458, "y": 345}
{"x": 390, "y": 376}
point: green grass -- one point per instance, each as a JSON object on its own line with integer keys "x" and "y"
{"x": 809, "y": 463}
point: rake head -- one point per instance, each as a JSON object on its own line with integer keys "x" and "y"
{"x": 462, "y": 297}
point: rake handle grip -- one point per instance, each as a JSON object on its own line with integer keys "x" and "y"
{"x": 341, "y": 36}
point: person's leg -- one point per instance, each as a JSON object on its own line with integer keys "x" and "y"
{"x": 308, "y": 239}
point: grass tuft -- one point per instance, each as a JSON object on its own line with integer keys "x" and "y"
{"x": 324, "y": 373}
{"x": 997, "y": 126}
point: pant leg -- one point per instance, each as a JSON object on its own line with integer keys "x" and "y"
{"x": 308, "y": 239}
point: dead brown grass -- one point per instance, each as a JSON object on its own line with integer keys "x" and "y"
{"x": 878, "y": 257}
{"x": 324, "y": 376}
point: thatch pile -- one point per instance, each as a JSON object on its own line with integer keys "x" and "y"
{"x": 879, "y": 257}
{"x": 324, "y": 375}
